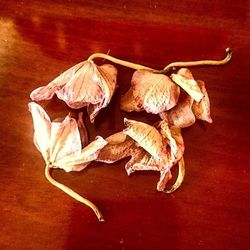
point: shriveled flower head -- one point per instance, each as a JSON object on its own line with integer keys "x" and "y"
{"x": 150, "y": 148}
{"x": 60, "y": 142}
{"x": 85, "y": 84}
{"x": 151, "y": 92}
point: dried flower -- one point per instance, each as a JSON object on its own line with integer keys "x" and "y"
{"x": 151, "y": 92}
{"x": 60, "y": 146}
{"x": 150, "y": 148}
{"x": 85, "y": 84}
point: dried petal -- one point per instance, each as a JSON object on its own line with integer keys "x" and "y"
{"x": 107, "y": 83}
{"x": 42, "y": 127}
{"x": 87, "y": 155}
{"x": 154, "y": 93}
{"x": 185, "y": 80}
{"x": 147, "y": 137}
{"x": 185, "y": 113}
{"x": 181, "y": 115}
{"x": 47, "y": 92}
{"x": 201, "y": 109}
{"x": 118, "y": 147}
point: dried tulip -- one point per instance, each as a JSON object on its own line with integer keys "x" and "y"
{"x": 60, "y": 146}
{"x": 85, "y": 84}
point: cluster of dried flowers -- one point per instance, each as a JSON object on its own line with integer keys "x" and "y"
{"x": 159, "y": 147}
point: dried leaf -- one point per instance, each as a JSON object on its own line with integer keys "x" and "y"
{"x": 154, "y": 93}
{"x": 85, "y": 84}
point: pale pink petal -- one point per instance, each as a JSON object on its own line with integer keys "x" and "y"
{"x": 83, "y": 88}
{"x": 47, "y": 92}
{"x": 107, "y": 83}
{"x": 118, "y": 147}
{"x": 87, "y": 155}
{"x": 147, "y": 137}
{"x": 201, "y": 109}
{"x": 153, "y": 92}
{"x": 42, "y": 127}
{"x": 65, "y": 139}
{"x": 141, "y": 160}
{"x": 186, "y": 81}
{"x": 129, "y": 103}
{"x": 181, "y": 115}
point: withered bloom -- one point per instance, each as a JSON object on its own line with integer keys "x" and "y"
{"x": 150, "y": 148}
{"x": 151, "y": 92}
{"x": 85, "y": 84}
{"x": 60, "y": 146}
{"x": 157, "y": 93}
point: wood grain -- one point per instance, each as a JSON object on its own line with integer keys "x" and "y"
{"x": 39, "y": 40}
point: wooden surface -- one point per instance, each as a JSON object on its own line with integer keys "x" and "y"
{"x": 39, "y": 40}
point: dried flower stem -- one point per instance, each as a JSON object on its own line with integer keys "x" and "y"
{"x": 72, "y": 193}
{"x": 179, "y": 179}
{"x": 168, "y": 67}
{"x": 199, "y": 63}
{"x": 120, "y": 62}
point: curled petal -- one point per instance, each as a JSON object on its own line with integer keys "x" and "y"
{"x": 154, "y": 93}
{"x": 201, "y": 109}
{"x": 107, "y": 83}
{"x": 64, "y": 140}
{"x": 47, "y": 92}
{"x": 141, "y": 160}
{"x": 87, "y": 155}
{"x": 42, "y": 127}
{"x": 83, "y": 88}
{"x": 181, "y": 115}
{"x": 147, "y": 137}
{"x": 185, "y": 80}
{"x": 118, "y": 147}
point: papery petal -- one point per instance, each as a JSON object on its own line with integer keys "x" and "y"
{"x": 185, "y": 80}
{"x": 129, "y": 103}
{"x": 181, "y": 115}
{"x": 42, "y": 127}
{"x": 153, "y": 92}
{"x": 65, "y": 139}
{"x": 87, "y": 155}
{"x": 201, "y": 109}
{"x": 83, "y": 88}
{"x": 118, "y": 147}
{"x": 107, "y": 83}
{"x": 141, "y": 160}
{"x": 47, "y": 92}
{"x": 148, "y": 138}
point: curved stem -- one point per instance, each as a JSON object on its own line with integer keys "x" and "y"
{"x": 121, "y": 62}
{"x": 168, "y": 67}
{"x": 198, "y": 63}
{"x": 179, "y": 179}
{"x": 72, "y": 193}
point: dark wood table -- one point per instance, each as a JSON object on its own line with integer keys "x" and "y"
{"x": 39, "y": 40}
